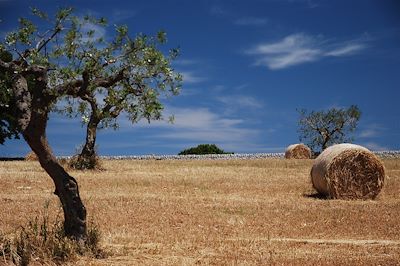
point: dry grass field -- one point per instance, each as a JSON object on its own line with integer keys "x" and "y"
{"x": 235, "y": 212}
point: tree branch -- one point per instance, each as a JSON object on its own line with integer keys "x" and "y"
{"x": 117, "y": 110}
{"x": 71, "y": 88}
{"x": 44, "y": 43}
{"x": 24, "y": 55}
{"x": 110, "y": 81}
{"x": 114, "y": 60}
{"x": 115, "y": 113}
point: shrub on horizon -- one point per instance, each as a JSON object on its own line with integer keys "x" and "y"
{"x": 204, "y": 149}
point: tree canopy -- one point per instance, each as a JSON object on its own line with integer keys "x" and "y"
{"x": 134, "y": 73}
{"x": 320, "y": 129}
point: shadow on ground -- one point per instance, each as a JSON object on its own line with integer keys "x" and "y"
{"x": 316, "y": 196}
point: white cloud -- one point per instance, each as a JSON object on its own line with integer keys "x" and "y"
{"x": 346, "y": 50}
{"x": 122, "y": 14}
{"x": 371, "y": 131}
{"x": 185, "y": 62}
{"x": 200, "y": 118}
{"x": 289, "y": 43}
{"x": 201, "y": 125}
{"x": 251, "y": 21}
{"x": 185, "y": 92}
{"x": 292, "y": 58}
{"x": 301, "y": 48}
{"x": 368, "y": 133}
{"x": 190, "y": 77}
{"x": 241, "y": 101}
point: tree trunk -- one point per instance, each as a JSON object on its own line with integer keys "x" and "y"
{"x": 32, "y": 118}
{"x": 326, "y": 136}
{"x": 66, "y": 187}
{"x": 325, "y": 143}
{"x": 87, "y": 159}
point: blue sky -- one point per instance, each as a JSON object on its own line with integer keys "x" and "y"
{"x": 247, "y": 67}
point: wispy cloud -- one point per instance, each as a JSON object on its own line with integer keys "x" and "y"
{"x": 251, "y": 21}
{"x": 218, "y": 11}
{"x": 190, "y": 77}
{"x": 371, "y": 131}
{"x": 368, "y": 133}
{"x": 201, "y": 125}
{"x": 301, "y": 48}
{"x": 185, "y": 62}
{"x": 241, "y": 101}
{"x": 345, "y": 50}
{"x": 122, "y": 14}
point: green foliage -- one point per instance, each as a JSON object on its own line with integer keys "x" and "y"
{"x": 204, "y": 149}
{"x": 321, "y": 129}
{"x": 44, "y": 241}
{"x": 8, "y": 123}
{"x": 129, "y": 73}
{"x": 144, "y": 72}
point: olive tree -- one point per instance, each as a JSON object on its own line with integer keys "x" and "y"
{"x": 320, "y": 129}
{"x": 122, "y": 75}
{"x": 43, "y": 67}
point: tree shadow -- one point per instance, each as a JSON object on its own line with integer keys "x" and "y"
{"x": 4, "y": 159}
{"x": 316, "y": 195}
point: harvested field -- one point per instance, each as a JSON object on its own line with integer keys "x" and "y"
{"x": 218, "y": 212}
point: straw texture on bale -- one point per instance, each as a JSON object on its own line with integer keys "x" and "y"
{"x": 298, "y": 151}
{"x": 348, "y": 171}
{"x": 31, "y": 156}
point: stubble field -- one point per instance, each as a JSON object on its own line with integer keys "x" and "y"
{"x": 215, "y": 212}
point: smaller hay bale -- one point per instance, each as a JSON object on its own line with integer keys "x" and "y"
{"x": 31, "y": 156}
{"x": 298, "y": 151}
{"x": 348, "y": 171}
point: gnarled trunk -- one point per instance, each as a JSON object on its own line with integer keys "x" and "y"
{"x": 87, "y": 158}
{"x": 32, "y": 117}
{"x": 66, "y": 187}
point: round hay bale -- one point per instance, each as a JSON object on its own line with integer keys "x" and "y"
{"x": 298, "y": 151}
{"x": 348, "y": 171}
{"x": 31, "y": 156}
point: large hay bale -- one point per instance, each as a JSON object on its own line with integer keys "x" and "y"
{"x": 31, "y": 156}
{"x": 298, "y": 151}
{"x": 348, "y": 171}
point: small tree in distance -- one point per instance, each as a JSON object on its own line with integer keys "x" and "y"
{"x": 321, "y": 129}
